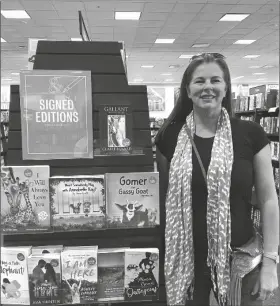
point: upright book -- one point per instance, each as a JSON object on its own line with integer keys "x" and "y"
{"x": 56, "y": 114}
{"x": 77, "y": 202}
{"x": 25, "y": 201}
{"x": 14, "y": 276}
{"x": 141, "y": 274}
{"x": 132, "y": 199}
{"x": 79, "y": 275}
{"x": 44, "y": 279}
{"x": 110, "y": 275}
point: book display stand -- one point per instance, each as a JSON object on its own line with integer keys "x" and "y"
{"x": 109, "y": 87}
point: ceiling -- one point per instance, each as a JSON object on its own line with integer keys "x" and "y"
{"x": 187, "y": 21}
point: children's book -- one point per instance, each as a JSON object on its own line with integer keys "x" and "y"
{"x": 46, "y": 249}
{"x": 25, "y": 201}
{"x": 77, "y": 202}
{"x": 44, "y": 279}
{"x": 79, "y": 275}
{"x": 132, "y": 199}
{"x": 141, "y": 274}
{"x": 110, "y": 275}
{"x": 14, "y": 276}
{"x": 56, "y": 114}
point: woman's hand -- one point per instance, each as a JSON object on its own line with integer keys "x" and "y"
{"x": 267, "y": 281}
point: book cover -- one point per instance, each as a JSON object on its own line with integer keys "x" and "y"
{"x": 44, "y": 279}
{"x": 25, "y": 203}
{"x": 45, "y": 249}
{"x": 77, "y": 202}
{"x": 132, "y": 199}
{"x": 56, "y": 114}
{"x": 115, "y": 130}
{"x": 110, "y": 275}
{"x": 141, "y": 274}
{"x": 79, "y": 275}
{"x": 14, "y": 276}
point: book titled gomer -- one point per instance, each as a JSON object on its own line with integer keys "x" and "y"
{"x": 56, "y": 114}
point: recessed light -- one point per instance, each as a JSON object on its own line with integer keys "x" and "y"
{"x": 15, "y": 73}
{"x": 268, "y": 66}
{"x": 166, "y": 74}
{"x": 174, "y": 66}
{"x": 251, "y": 56}
{"x": 185, "y": 56}
{"x": 76, "y": 39}
{"x": 244, "y": 42}
{"x": 127, "y": 15}
{"x": 258, "y": 73}
{"x": 15, "y": 14}
{"x": 165, "y": 41}
{"x": 168, "y": 80}
{"x": 240, "y": 77}
{"x": 200, "y": 45}
{"x": 147, "y": 66}
{"x": 262, "y": 79}
{"x": 255, "y": 67}
{"x": 234, "y": 17}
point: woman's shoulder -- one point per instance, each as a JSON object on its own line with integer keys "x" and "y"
{"x": 245, "y": 127}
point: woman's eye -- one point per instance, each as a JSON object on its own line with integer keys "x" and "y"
{"x": 217, "y": 81}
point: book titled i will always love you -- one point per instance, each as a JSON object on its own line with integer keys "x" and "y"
{"x": 56, "y": 114}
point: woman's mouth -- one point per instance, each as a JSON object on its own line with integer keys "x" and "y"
{"x": 207, "y": 97}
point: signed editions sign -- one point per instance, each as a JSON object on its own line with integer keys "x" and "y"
{"x": 56, "y": 114}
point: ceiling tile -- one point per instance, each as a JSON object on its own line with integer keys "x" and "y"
{"x": 244, "y": 9}
{"x": 223, "y": 1}
{"x": 45, "y": 15}
{"x": 187, "y": 8}
{"x": 100, "y": 15}
{"x": 150, "y": 23}
{"x": 240, "y": 32}
{"x": 105, "y": 30}
{"x": 217, "y": 8}
{"x": 208, "y": 17}
{"x": 122, "y": 6}
{"x": 11, "y": 5}
{"x": 153, "y": 16}
{"x": 269, "y": 9}
{"x": 68, "y": 5}
{"x": 158, "y": 7}
{"x": 99, "y": 5}
{"x": 253, "y": 2}
{"x": 31, "y": 5}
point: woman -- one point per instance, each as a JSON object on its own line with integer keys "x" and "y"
{"x": 204, "y": 222}
{"x": 75, "y": 291}
{"x": 50, "y": 275}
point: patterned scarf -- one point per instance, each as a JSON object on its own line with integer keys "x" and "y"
{"x": 179, "y": 254}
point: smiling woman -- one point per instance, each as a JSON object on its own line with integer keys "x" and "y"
{"x": 206, "y": 161}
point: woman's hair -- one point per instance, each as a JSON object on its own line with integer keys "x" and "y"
{"x": 184, "y": 104}
{"x": 50, "y": 273}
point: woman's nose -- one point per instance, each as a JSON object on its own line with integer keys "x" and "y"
{"x": 208, "y": 84}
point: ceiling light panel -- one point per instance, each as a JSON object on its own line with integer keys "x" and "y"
{"x": 147, "y": 66}
{"x": 76, "y": 39}
{"x": 165, "y": 41}
{"x": 234, "y": 17}
{"x": 127, "y": 15}
{"x": 244, "y": 42}
{"x": 251, "y": 56}
{"x": 185, "y": 56}
{"x": 3, "y": 40}
{"x": 15, "y": 14}
{"x": 200, "y": 45}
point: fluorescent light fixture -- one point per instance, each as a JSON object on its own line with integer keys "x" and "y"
{"x": 77, "y": 39}
{"x": 258, "y": 73}
{"x": 168, "y": 80}
{"x": 138, "y": 80}
{"x": 200, "y": 45}
{"x": 185, "y": 56}
{"x": 3, "y": 40}
{"x": 255, "y": 67}
{"x": 147, "y": 66}
{"x": 127, "y": 15}
{"x": 244, "y": 42}
{"x": 240, "y": 77}
{"x": 6, "y": 79}
{"x": 15, "y": 14}
{"x": 262, "y": 79}
{"x": 174, "y": 66}
{"x": 165, "y": 41}
{"x": 268, "y": 66}
{"x": 166, "y": 74}
{"x": 251, "y": 56}
{"x": 234, "y": 17}
{"x": 15, "y": 73}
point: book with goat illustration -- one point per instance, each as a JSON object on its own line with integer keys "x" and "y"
{"x": 25, "y": 199}
{"x": 110, "y": 275}
{"x": 56, "y": 114}
{"x": 132, "y": 199}
{"x": 77, "y": 202}
{"x": 44, "y": 279}
{"x": 14, "y": 276}
{"x": 141, "y": 274}
{"x": 79, "y": 275}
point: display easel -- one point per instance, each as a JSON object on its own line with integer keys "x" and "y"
{"x": 109, "y": 85}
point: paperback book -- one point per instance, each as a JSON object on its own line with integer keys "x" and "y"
{"x": 141, "y": 274}
{"x": 110, "y": 275}
{"x": 79, "y": 275}
{"x": 44, "y": 279}
{"x": 115, "y": 130}
{"x": 56, "y": 114}
{"x": 14, "y": 276}
{"x": 77, "y": 202}
{"x": 132, "y": 199}
{"x": 25, "y": 199}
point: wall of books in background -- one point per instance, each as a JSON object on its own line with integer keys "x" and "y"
{"x": 261, "y": 104}
{"x": 4, "y": 125}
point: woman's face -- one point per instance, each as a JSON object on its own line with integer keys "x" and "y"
{"x": 207, "y": 87}
{"x": 122, "y": 123}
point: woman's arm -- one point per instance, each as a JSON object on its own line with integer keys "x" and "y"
{"x": 268, "y": 201}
